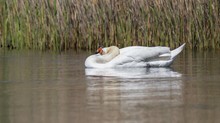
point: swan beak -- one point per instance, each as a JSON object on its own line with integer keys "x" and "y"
{"x": 99, "y": 50}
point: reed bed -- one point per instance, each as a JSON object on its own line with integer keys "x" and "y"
{"x": 85, "y": 24}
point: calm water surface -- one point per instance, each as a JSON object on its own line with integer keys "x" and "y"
{"x": 38, "y": 87}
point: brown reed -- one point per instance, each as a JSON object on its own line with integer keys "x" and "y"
{"x": 85, "y": 24}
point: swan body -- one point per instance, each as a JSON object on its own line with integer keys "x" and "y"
{"x": 133, "y": 56}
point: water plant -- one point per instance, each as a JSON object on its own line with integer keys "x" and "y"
{"x": 83, "y": 24}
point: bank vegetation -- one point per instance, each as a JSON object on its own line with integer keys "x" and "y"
{"x": 85, "y": 24}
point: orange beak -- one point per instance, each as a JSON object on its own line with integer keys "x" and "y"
{"x": 99, "y": 50}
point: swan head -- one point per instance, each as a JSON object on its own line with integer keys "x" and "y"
{"x": 99, "y": 50}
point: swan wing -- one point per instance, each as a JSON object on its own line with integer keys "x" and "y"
{"x": 139, "y": 53}
{"x": 176, "y": 51}
{"x": 138, "y": 56}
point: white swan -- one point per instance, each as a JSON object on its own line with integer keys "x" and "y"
{"x": 133, "y": 56}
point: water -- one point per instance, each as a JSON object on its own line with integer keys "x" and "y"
{"x": 47, "y": 87}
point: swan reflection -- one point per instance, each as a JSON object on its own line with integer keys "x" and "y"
{"x": 133, "y": 72}
{"x": 133, "y": 91}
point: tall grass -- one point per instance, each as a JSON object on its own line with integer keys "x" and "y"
{"x": 83, "y": 24}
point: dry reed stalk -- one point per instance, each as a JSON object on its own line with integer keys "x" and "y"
{"x": 83, "y": 24}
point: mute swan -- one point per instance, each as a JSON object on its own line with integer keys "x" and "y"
{"x": 133, "y": 56}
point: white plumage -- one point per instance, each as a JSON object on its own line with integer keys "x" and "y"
{"x": 134, "y": 56}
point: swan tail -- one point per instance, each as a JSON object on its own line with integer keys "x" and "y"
{"x": 176, "y": 51}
